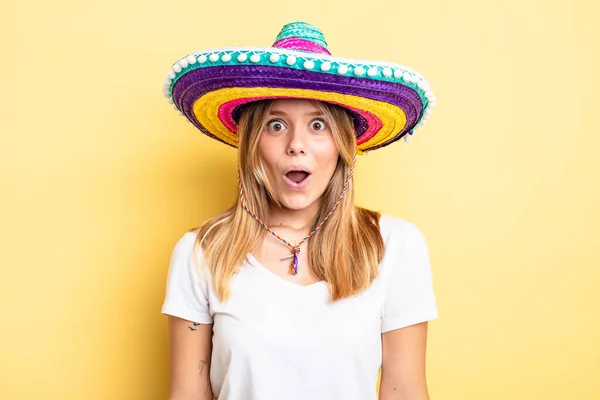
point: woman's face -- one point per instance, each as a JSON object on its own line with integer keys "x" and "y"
{"x": 298, "y": 151}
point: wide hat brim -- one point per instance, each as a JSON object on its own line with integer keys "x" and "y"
{"x": 389, "y": 101}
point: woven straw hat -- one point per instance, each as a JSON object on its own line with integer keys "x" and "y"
{"x": 389, "y": 101}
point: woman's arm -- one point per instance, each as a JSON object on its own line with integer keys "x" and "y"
{"x": 403, "y": 364}
{"x": 190, "y": 350}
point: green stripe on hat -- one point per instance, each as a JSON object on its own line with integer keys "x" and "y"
{"x": 304, "y": 31}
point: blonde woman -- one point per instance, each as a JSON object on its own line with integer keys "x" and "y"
{"x": 294, "y": 292}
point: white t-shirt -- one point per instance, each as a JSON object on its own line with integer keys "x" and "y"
{"x": 275, "y": 340}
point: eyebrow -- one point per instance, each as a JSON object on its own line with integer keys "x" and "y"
{"x": 283, "y": 113}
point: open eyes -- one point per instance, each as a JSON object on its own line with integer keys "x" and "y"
{"x": 317, "y": 125}
{"x": 275, "y": 126}
{"x": 278, "y": 126}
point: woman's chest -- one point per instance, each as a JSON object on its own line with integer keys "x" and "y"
{"x": 267, "y": 313}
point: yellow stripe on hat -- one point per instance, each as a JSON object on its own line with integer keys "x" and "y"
{"x": 206, "y": 110}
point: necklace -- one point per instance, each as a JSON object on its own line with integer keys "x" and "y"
{"x": 295, "y": 248}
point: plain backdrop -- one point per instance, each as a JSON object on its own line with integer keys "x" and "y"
{"x": 100, "y": 177}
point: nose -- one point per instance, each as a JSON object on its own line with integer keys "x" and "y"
{"x": 297, "y": 145}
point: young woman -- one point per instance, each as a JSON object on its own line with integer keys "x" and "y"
{"x": 294, "y": 292}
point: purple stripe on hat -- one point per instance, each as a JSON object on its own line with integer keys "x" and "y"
{"x": 200, "y": 81}
{"x": 295, "y": 43}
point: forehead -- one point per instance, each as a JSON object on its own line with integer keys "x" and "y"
{"x": 294, "y": 106}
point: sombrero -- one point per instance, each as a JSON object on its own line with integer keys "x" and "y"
{"x": 389, "y": 101}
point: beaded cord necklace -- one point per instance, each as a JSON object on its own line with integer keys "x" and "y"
{"x": 296, "y": 248}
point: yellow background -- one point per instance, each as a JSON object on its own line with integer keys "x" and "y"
{"x": 100, "y": 177}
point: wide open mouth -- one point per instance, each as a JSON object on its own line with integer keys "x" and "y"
{"x": 297, "y": 176}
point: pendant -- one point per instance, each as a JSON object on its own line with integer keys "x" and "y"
{"x": 295, "y": 261}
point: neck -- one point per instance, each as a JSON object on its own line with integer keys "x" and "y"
{"x": 298, "y": 220}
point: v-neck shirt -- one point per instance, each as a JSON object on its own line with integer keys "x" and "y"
{"x": 274, "y": 339}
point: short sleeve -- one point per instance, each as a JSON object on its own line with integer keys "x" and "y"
{"x": 186, "y": 293}
{"x": 409, "y": 294}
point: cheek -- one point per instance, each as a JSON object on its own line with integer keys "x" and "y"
{"x": 267, "y": 150}
{"x": 327, "y": 156}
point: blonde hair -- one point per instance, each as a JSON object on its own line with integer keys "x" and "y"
{"x": 345, "y": 252}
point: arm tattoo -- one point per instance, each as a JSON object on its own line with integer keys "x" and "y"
{"x": 193, "y": 329}
{"x": 204, "y": 363}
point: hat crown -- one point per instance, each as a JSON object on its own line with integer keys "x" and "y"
{"x": 302, "y": 36}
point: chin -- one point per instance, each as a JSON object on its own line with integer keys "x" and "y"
{"x": 296, "y": 203}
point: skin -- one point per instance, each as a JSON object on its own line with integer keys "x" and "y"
{"x": 295, "y": 134}
{"x": 190, "y": 350}
{"x": 403, "y": 375}
{"x": 290, "y": 138}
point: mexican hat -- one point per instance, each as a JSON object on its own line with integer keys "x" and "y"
{"x": 208, "y": 87}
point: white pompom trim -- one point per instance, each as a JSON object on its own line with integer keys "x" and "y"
{"x": 342, "y": 69}
{"x": 358, "y": 71}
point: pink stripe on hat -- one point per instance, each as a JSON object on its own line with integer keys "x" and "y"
{"x": 226, "y": 109}
{"x": 295, "y": 43}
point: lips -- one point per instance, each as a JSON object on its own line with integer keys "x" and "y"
{"x": 297, "y": 176}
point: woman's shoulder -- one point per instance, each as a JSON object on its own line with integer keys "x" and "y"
{"x": 186, "y": 240}
{"x": 400, "y": 234}
{"x": 394, "y": 228}
{"x": 406, "y": 257}
{"x": 188, "y": 253}
{"x": 187, "y": 246}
